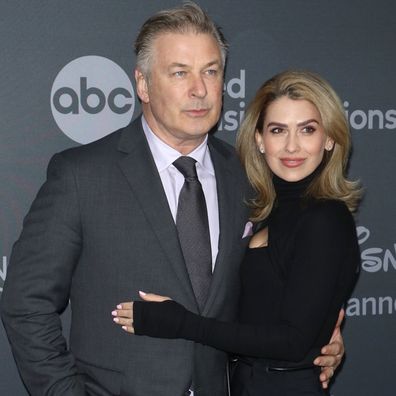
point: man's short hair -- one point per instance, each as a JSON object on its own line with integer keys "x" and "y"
{"x": 187, "y": 18}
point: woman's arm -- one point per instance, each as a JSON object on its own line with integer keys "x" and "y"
{"x": 323, "y": 241}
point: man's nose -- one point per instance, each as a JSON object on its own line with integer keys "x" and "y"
{"x": 198, "y": 88}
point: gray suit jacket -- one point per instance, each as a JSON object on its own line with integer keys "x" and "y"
{"x": 100, "y": 230}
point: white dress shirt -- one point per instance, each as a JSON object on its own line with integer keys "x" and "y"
{"x": 173, "y": 180}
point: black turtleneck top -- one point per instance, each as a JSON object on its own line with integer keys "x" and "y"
{"x": 291, "y": 290}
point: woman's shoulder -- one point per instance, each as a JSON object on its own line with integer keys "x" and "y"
{"x": 331, "y": 212}
{"x": 327, "y": 206}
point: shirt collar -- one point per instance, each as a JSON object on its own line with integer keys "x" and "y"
{"x": 164, "y": 155}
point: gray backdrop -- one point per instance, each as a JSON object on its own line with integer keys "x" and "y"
{"x": 64, "y": 69}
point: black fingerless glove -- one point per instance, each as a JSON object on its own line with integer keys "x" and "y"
{"x": 158, "y": 319}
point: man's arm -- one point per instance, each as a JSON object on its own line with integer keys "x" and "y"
{"x": 37, "y": 287}
{"x": 304, "y": 316}
{"x": 332, "y": 353}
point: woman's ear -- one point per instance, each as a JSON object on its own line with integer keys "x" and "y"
{"x": 329, "y": 144}
{"x": 259, "y": 141}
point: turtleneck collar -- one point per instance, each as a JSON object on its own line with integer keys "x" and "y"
{"x": 286, "y": 191}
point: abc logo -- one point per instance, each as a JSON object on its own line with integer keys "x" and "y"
{"x": 91, "y": 97}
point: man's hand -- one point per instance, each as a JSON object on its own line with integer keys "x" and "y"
{"x": 332, "y": 353}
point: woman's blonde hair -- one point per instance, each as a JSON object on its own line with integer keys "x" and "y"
{"x": 331, "y": 182}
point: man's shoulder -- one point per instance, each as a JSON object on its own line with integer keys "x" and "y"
{"x": 225, "y": 154}
{"x": 221, "y": 145}
{"x": 108, "y": 146}
{"x": 224, "y": 151}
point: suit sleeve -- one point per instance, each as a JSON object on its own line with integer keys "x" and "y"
{"x": 322, "y": 243}
{"x": 37, "y": 287}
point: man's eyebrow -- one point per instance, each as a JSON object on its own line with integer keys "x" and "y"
{"x": 215, "y": 62}
{"x": 179, "y": 64}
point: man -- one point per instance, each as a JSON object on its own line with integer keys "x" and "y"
{"x": 103, "y": 227}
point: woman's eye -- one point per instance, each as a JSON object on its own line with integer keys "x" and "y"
{"x": 309, "y": 129}
{"x": 276, "y": 130}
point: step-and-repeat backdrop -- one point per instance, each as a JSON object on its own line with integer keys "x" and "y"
{"x": 66, "y": 72}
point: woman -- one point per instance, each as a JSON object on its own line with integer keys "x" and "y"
{"x": 303, "y": 260}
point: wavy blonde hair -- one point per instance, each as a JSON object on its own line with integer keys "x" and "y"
{"x": 331, "y": 182}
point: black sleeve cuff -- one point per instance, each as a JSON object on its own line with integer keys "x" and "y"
{"x": 158, "y": 319}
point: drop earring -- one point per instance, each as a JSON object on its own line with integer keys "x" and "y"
{"x": 261, "y": 149}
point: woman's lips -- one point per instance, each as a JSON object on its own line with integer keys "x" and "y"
{"x": 292, "y": 162}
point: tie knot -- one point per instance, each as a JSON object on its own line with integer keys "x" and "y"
{"x": 186, "y": 166}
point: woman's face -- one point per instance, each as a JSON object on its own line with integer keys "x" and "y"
{"x": 293, "y": 138}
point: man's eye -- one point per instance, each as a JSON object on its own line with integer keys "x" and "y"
{"x": 180, "y": 73}
{"x": 212, "y": 72}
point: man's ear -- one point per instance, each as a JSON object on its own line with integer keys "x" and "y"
{"x": 141, "y": 86}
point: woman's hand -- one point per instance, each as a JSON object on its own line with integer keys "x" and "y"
{"x": 123, "y": 315}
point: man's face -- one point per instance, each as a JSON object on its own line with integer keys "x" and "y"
{"x": 183, "y": 96}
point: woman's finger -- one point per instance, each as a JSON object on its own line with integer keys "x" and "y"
{"x": 123, "y": 321}
{"x": 128, "y": 329}
{"x": 152, "y": 297}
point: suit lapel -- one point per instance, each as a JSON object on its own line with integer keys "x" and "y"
{"x": 226, "y": 199}
{"x": 141, "y": 172}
